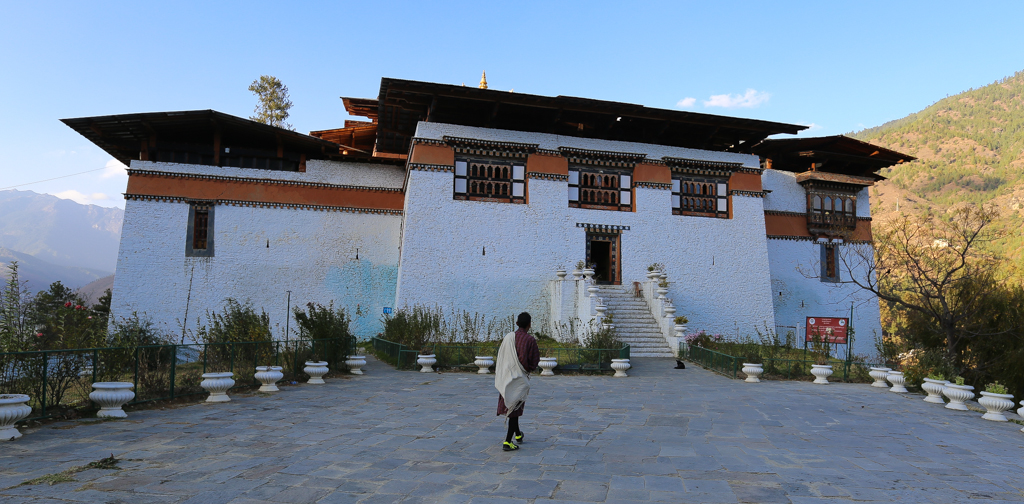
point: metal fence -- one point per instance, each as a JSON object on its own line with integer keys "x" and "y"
{"x": 459, "y": 356}
{"x": 60, "y": 380}
{"x": 731, "y": 366}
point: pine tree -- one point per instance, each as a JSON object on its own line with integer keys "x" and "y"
{"x": 273, "y": 104}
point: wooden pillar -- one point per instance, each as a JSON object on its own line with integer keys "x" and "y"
{"x": 216, "y": 147}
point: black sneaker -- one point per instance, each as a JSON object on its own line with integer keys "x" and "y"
{"x": 518, "y": 437}
{"x": 506, "y": 446}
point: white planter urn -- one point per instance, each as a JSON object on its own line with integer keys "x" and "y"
{"x": 620, "y": 366}
{"x": 593, "y": 290}
{"x": 355, "y": 364}
{"x": 651, "y": 275}
{"x": 670, "y": 311}
{"x": 821, "y": 373}
{"x": 268, "y": 376}
{"x": 217, "y": 384}
{"x": 111, "y": 396}
{"x": 679, "y": 329}
{"x": 547, "y": 364}
{"x": 577, "y": 274}
{"x": 425, "y": 362}
{"x": 995, "y": 405}
{"x": 316, "y": 371}
{"x": 601, "y": 310}
{"x": 897, "y": 380}
{"x": 934, "y": 389}
{"x": 1021, "y": 413}
{"x": 13, "y": 408}
{"x": 661, "y": 292}
{"x": 484, "y": 363}
{"x": 879, "y": 374}
{"x": 588, "y": 272}
{"x": 560, "y": 274}
{"x": 753, "y": 372}
{"x": 957, "y": 395}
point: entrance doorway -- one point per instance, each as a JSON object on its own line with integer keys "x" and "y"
{"x": 603, "y": 253}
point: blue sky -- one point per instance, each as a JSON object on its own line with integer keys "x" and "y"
{"x": 837, "y": 66}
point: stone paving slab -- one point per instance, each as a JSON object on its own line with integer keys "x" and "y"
{"x": 661, "y": 435}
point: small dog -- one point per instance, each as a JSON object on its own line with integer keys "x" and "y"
{"x": 636, "y": 290}
{"x": 680, "y": 365}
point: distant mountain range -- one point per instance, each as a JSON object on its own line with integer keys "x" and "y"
{"x": 970, "y": 148}
{"x": 57, "y": 239}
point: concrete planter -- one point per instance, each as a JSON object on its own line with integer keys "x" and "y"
{"x": 879, "y": 374}
{"x": 620, "y": 366}
{"x": 753, "y": 372}
{"x": 546, "y": 365}
{"x": 484, "y": 363}
{"x": 958, "y": 394}
{"x": 269, "y": 376}
{"x": 934, "y": 390}
{"x": 897, "y": 380}
{"x": 661, "y": 292}
{"x": 111, "y": 396}
{"x": 1021, "y": 413}
{"x": 355, "y": 364}
{"x": 426, "y": 362}
{"x": 13, "y": 408}
{"x": 995, "y": 405}
{"x": 560, "y": 274}
{"x": 316, "y": 371}
{"x": 577, "y": 275}
{"x": 821, "y": 373}
{"x": 588, "y": 272}
{"x": 217, "y": 384}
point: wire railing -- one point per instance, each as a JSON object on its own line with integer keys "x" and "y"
{"x": 58, "y": 381}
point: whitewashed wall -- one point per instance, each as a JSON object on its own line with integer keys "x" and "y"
{"x": 259, "y": 254}
{"x": 797, "y": 291}
{"x": 718, "y": 267}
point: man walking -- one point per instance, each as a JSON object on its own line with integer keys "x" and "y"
{"x": 517, "y": 357}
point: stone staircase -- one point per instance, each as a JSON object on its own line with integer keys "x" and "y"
{"x": 634, "y": 323}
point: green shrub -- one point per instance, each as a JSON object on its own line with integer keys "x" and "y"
{"x": 329, "y": 326}
{"x": 995, "y": 388}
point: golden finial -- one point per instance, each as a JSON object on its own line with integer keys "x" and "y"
{"x": 483, "y": 80}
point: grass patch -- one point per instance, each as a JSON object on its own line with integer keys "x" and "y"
{"x": 67, "y": 475}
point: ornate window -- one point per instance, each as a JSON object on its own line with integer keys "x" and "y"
{"x": 490, "y": 180}
{"x": 600, "y": 188}
{"x": 199, "y": 233}
{"x": 830, "y": 209}
{"x": 829, "y": 268}
{"x": 700, "y": 196}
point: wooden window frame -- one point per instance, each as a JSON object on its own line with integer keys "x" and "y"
{"x": 615, "y": 191}
{"x": 698, "y": 196}
{"x": 829, "y": 263}
{"x": 200, "y": 230}
{"x": 474, "y": 173}
{"x": 831, "y": 209}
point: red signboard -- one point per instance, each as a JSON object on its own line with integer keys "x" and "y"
{"x": 830, "y": 329}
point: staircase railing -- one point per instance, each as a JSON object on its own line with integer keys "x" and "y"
{"x": 573, "y": 300}
{"x": 661, "y": 307}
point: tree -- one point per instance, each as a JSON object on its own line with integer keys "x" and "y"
{"x": 936, "y": 270}
{"x": 273, "y": 103}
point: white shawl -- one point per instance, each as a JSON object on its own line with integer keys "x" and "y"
{"x": 510, "y": 378}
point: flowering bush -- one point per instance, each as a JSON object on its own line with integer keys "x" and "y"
{"x": 703, "y": 339}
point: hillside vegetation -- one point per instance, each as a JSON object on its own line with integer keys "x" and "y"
{"x": 970, "y": 148}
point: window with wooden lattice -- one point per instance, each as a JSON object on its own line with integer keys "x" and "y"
{"x": 199, "y": 232}
{"x": 833, "y": 210}
{"x": 700, "y": 196}
{"x": 600, "y": 188}
{"x": 490, "y": 180}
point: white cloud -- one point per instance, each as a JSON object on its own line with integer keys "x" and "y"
{"x": 114, "y": 168}
{"x": 750, "y": 99}
{"x": 84, "y": 199}
{"x": 686, "y": 102}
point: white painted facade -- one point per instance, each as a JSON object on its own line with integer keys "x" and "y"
{"x": 260, "y": 253}
{"x": 718, "y": 268}
{"x": 495, "y": 259}
{"x": 797, "y": 291}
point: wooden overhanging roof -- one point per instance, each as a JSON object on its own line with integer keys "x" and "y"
{"x": 835, "y": 154}
{"x": 401, "y": 104}
{"x": 122, "y": 136}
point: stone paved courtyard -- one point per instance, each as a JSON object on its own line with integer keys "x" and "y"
{"x": 660, "y": 435}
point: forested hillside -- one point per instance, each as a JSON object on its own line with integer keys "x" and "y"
{"x": 970, "y": 148}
